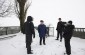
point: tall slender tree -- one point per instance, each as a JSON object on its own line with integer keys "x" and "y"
{"x": 21, "y": 7}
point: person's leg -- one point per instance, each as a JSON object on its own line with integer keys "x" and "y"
{"x": 44, "y": 41}
{"x": 28, "y": 44}
{"x": 57, "y": 35}
{"x": 29, "y": 48}
{"x": 60, "y": 36}
{"x": 40, "y": 40}
{"x": 67, "y": 46}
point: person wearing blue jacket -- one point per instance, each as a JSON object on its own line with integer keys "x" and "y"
{"x": 42, "y": 32}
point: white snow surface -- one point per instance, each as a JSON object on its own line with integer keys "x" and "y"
{"x": 16, "y": 46}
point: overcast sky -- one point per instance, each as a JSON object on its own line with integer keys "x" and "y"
{"x": 51, "y": 10}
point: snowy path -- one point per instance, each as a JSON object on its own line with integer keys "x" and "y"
{"x": 16, "y": 46}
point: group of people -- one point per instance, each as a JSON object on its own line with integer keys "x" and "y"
{"x": 63, "y": 29}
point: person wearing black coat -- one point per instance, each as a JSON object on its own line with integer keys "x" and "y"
{"x": 42, "y": 32}
{"x": 68, "y": 32}
{"x": 29, "y": 31}
{"x": 59, "y": 29}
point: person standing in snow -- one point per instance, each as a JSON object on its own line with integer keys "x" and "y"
{"x": 29, "y": 31}
{"x": 42, "y": 32}
{"x": 59, "y": 29}
{"x": 68, "y": 32}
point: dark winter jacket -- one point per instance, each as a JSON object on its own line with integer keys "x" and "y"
{"x": 68, "y": 31}
{"x": 29, "y": 28}
{"x": 42, "y": 30}
{"x": 60, "y": 26}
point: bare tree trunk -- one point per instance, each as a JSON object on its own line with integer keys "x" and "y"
{"x": 22, "y": 17}
{"x": 21, "y": 25}
{"x": 21, "y": 10}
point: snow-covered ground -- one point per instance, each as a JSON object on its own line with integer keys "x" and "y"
{"x": 16, "y": 46}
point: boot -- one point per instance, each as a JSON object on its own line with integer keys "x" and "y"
{"x": 29, "y": 53}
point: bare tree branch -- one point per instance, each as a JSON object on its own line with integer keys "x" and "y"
{"x": 27, "y": 6}
{"x": 1, "y": 3}
{"x": 21, "y": 7}
{"x": 5, "y": 8}
{"x": 16, "y": 8}
{"x": 19, "y": 4}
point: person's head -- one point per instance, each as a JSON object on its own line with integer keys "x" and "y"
{"x": 41, "y": 21}
{"x": 59, "y": 19}
{"x": 29, "y": 18}
{"x": 69, "y": 22}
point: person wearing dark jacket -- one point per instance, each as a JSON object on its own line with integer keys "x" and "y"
{"x": 29, "y": 31}
{"x": 59, "y": 29}
{"x": 68, "y": 32}
{"x": 42, "y": 32}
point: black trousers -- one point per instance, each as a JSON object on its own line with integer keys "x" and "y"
{"x": 59, "y": 33}
{"x": 28, "y": 43}
{"x": 28, "y": 47}
{"x": 68, "y": 46}
{"x": 42, "y": 38}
